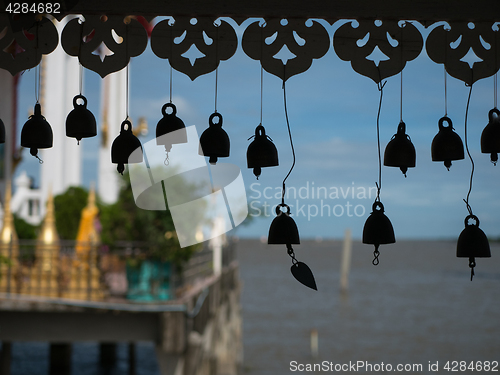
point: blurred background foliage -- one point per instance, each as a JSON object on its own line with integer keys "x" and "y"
{"x": 68, "y": 208}
{"x": 24, "y": 230}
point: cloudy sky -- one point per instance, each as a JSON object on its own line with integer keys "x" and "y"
{"x": 332, "y": 111}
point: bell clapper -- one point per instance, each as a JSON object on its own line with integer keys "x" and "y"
{"x": 494, "y": 158}
{"x": 404, "y": 170}
{"x": 257, "y": 171}
{"x": 447, "y": 164}
{"x": 120, "y": 168}
{"x": 212, "y": 160}
{"x": 376, "y": 254}
{"x": 472, "y": 264}
{"x": 34, "y": 152}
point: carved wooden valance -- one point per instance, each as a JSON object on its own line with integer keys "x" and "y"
{"x": 105, "y": 44}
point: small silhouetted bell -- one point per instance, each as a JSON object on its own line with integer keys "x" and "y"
{"x": 400, "y": 152}
{"x": 490, "y": 138}
{"x": 447, "y": 145}
{"x": 170, "y": 124}
{"x": 261, "y": 152}
{"x": 473, "y": 243}
{"x": 283, "y": 230}
{"x": 378, "y": 229}
{"x": 36, "y": 132}
{"x": 123, "y": 147}
{"x": 2, "y": 132}
{"x": 80, "y": 122}
{"x": 214, "y": 141}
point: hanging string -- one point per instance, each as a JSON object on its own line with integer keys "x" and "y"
{"x": 170, "y": 84}
{"x": 401, "y": 99}
{"x": 170, "y": 64}
{"x": 380, "y": 86}
{"x": 37, "y": 68}
{"x": 127, "y": 79}
{"x": 261, "y": 91}
{"x": 445, "y": 92}
{"x": 37, "y": 83}
{"x": 468, "y": 153}
{"x": 81, "y": 79}
{"x": 261, "y": 69}
{"x": 291, "y": 143}
{"x": 216, "y": 82}
{"x": 79, "y": 53}
{"x": 402, "y": 67}
{"x": 127, "y": 90}
{"x": 495, "y": 77}
{"x": 495, "y": 82}
{"x": 216, "y": 61}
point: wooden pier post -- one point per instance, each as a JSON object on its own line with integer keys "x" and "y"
{"x": 346, "y": 261}
{"x": 60, "y": 359}
{"x": 314, "y": 343}
{"x": 131, "y": 358}
{"x": 5, "y": 358}
{"x": 171, "y": 347}
{"x": 107, "y": 354}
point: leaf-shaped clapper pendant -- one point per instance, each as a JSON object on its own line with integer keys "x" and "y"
{"x": 303, "y": 274}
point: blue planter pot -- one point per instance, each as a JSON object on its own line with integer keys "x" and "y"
{"x": 149, "y": 281}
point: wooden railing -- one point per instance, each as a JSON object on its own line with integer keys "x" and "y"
{"x": 101, "y": 273}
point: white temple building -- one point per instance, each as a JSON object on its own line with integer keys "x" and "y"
{"x": 26, "y": 202}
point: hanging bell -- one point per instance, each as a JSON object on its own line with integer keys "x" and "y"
{"x": 473, "y": 243}
{"x": 447, "y": 145}
{"x": 400, "y": 152}
{"x": 490, "y": 138}
{"x": 123, "y": 149}
{"x": 36, "y": 132}
{"x": 378, "y": 229}
{"x": 283, "y": 230}
{"x": 261, "y": 152}
{"x": 170, "y": 123}
{"x": 80, "y": 122}
{"x": 214, "y": 142}
{"x": 2, "y": 132}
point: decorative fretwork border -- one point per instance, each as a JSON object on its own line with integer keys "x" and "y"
{"x": 105, "y": 44}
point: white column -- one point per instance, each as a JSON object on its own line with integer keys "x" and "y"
{"x": 113, "y": 113}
